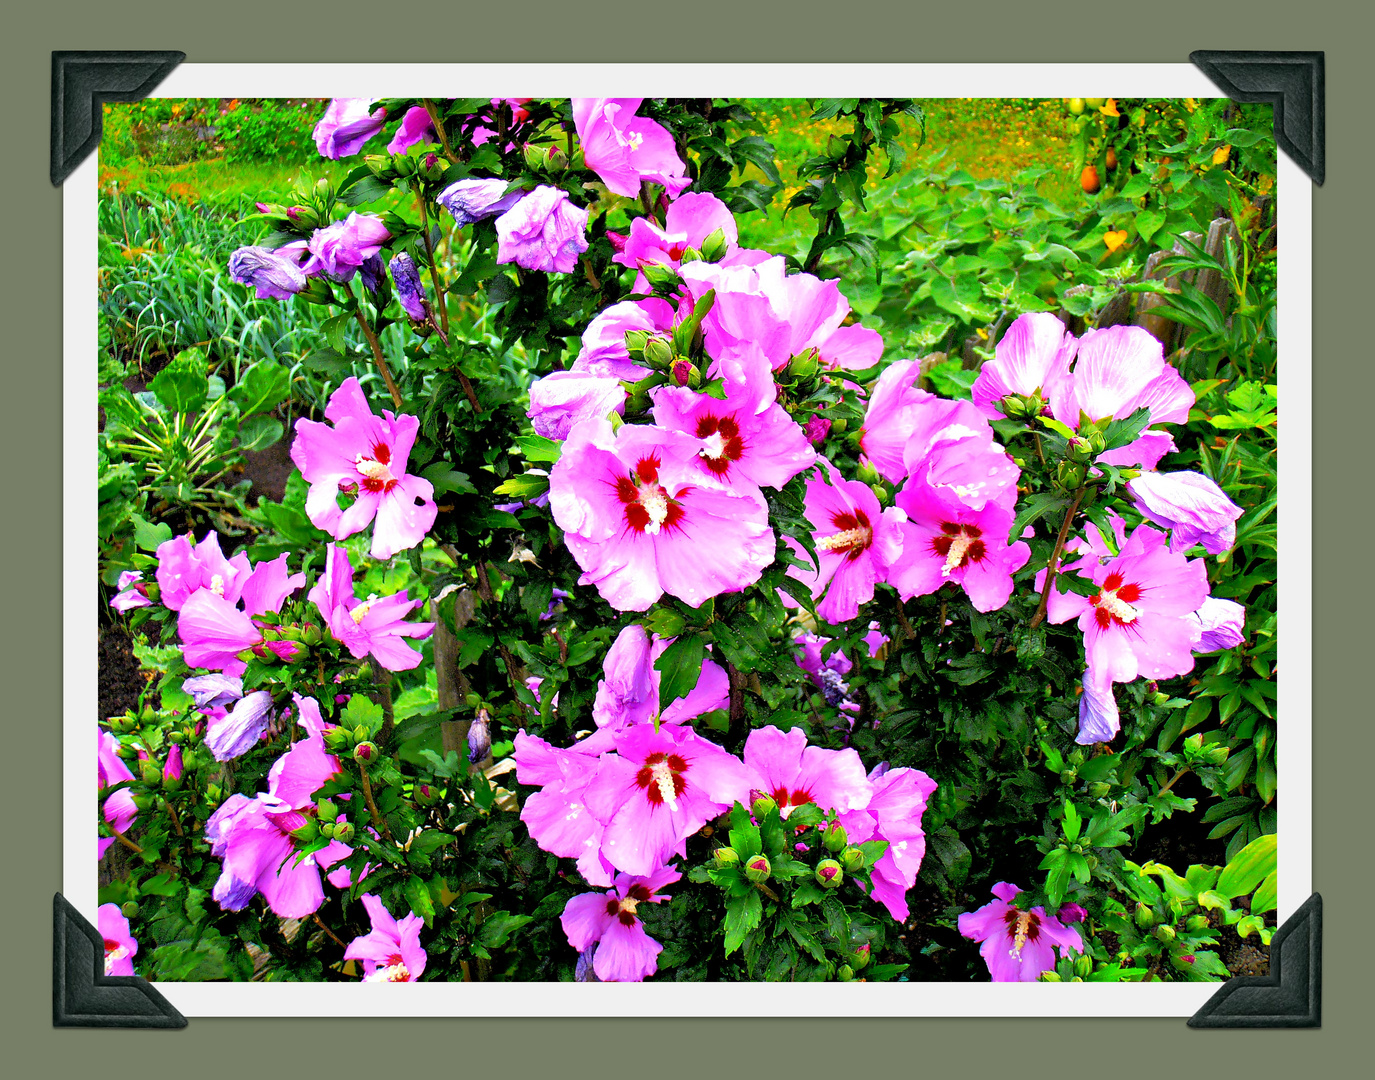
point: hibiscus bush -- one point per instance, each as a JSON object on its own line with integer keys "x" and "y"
{"x": 638, "y": 608}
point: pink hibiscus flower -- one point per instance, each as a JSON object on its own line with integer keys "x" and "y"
{"x": 642, "y": 519}
{"x": 625, "y": 953}
{"x": 625, "y": 149}
{"x": 364, "y": 455}
{"x": 793, "y": 774}
{"x": 120, "y": 946}
{"x": 374, "y": 625}
{"x": 391, "y": 951}
{"x": 894, "y": 812}
{"x": 1017, "y": 945}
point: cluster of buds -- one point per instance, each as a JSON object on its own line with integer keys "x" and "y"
{"x": 1021, "y": 406}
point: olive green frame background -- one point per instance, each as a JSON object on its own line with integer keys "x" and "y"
{"x": 825, "y": 1043}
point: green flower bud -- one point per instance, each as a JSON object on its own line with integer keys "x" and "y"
{"x": 403, "y": 164}
{"x": 327, "y": 829}
{"x": 635, "y": 342}
{"x": 690, "y": 255}
{"x": 1099, "y": 790}
{"x": 1068, "y": 776}
{"x": 317, "y": 291}
{"x": 142, "y": 800}
{"x": 1071, "y": 474}
{"x": 835, "y": 838}
{"x": 213, "y": 794}
{"x": 840, "y": 424}
{"x": 555, "y": 160}
{"x": 1014, "y": 407}
{"x": 852, "y": 859}
{"x": 343, "y": 832}
{"x": 322, "y": 188}
{"x": 175, "y": 737}
{"x": 426, "y": 794}
{"x": 836, "y": 147}
{"x": 714, "y": 247}
{"x": 761, "y": 807}
{"x": 1164, "y": 932}
{"x": 1196, "y": 923}
{"x": 360, "y": 734}
{"x": 726, "y": 856}
{"x": 860, "y": 957}
{"x": 326, "y": 810}
{"x": 1097, "y": 441}
{"x": 1083, "y": 965}
{"x": 1049, "y": 976}
{"x": 312, "y": 634}
{"x": 846, "y": 973}
{"x": 804, "y": 366}
{"x": 337, "y": 739}
{"x": 1080, "y": 449}
{"x": 129, "y": 909}
{"x": 758, "y": 868}
{"x": 150, "y": 772}
{"x": 829, "y": 874}
{"x": 660, "y": 275}
{"x": 365, "y": 752}
{"x": 1145, "y": 917}
{"x": 474, "y": 701}
{"x": 536, "y": 157}
{"x": 881, "y": 493}
{"x": 380, "y": 165}
{"x": 658, "y": 353}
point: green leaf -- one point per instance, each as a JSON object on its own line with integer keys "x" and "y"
{"x": 742, "y": 916}
{"x": 362, "y": 712}
{"x": 1072, "y": 822}
{"x": 148, "y": 536}
{"x": 497, "y": 928}
{"x": 260, "y": 432}
{"x": 1249, "y": 867}
{"x": 182, "y": 385}
{"x": 418, "y": 896}
{"x": 538, "y": 448}
{"x": 261, "y": 387}
{"x": 1036, "y": 507}
{"x": 1148, "y": 223}
{"x": 680, "y": 666}
{"x": 744, "y": 834}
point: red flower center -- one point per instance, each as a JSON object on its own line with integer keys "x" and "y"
{"x": 1113, "y": 604}
{"x": 959, "y": 545}
{"x": 624, "y": 909}
{"x": 661, "y": 779}
{"x": 675, "y": 252}
{"x": 723, "y": 443}
{"x": 788, "y": 801}
{"x": 648, "y": 506}
{"x": 376, "y": 473}
{"x": 1022, "y": 926}
{"x": 853, "y": 538}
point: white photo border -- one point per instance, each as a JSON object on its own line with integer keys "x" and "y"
{"x": 1295, "y": 689}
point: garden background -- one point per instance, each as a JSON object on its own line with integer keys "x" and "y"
{"x": 1337, "y": 633}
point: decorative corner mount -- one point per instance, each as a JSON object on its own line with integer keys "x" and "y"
{"x": 81, "y": 85}
{"x": 1292, "y": 82}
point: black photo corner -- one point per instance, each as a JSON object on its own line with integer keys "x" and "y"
{"x": 1290, "y": 996}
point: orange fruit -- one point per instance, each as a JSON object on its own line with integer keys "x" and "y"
{"x": 1088, "y": 180}
{"x": 1112, "y": 158}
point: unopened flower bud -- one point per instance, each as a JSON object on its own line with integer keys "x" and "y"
{"x": 380, "y": 165}
{"x": 404, "y": 164}
{"x": 426, "y": 794}
{"x": 684, "y": 372}
{"x": 726, "y": 856}
{"x": 322, "y": 188}
{"x": 835, "y": 837}
{"x": 852, "y": 859}
{"x": 845, "y": 973}
{"x": 343, "y": 832}
{"x": 213, "y": 794}
{"x": 1097, "y": 441}
{"x": 1071, "y": 474}
{"x": 1083, "y": 966}
{"x": 859, "y": 958}
{"x": 337, "y": 739}
{"x": 690, "y": 255}
{"x": 635, "y": 342}
{"x": 1080, "y": 449}
{"x": 365, "y": 752}
{"x": 659, "y": 275}
{"x": 129, "y": 909}
{"x": 804, "y": 365}
{"x": 327, "y": 829}
{"x": 1049, "y": 976}
{"x": 1145, "y": 917}
{"x": 307, "y": 832}
{"x": 1099, "y": 790}
{"x": 658, "y": 353}
{"x": 758, "y": 869}
{"x": 479, "y": 738}
{"x": 1196, "y": 923}
{"x": 317, "y": 291}
{"x": 816, "y": 429}
{"x": 762, "y": 806}
{"x": 829, "y": 874}
{"x": 714, "y": 247}
{"x": 1164, "y": 932}
{"x": 1014, "y": 407}
{"x": 312, "y": 634}
{"x": 326, "y": 810}
{"x": 150, "y": 772}
{"x": 360, "y": 734}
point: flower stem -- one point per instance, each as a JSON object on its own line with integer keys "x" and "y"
{"x": 378, "y": 821}
{"x": 440, "y": 297}
{"x": 377, "y": 355}
{"x": 1173, "y": 780}
{"x": 335, "y": 937}
{"x": 1054, "y": 563}
{"x": 439, "y": 130}
{"x": 125, "y": 840}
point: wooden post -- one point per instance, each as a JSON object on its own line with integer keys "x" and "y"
{"x": 1164, "y": 330}
{"x": 1211, "y": 282}
{"x": 451, "y": 684}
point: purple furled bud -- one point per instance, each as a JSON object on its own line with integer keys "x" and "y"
{"x": 409, "y": 289}
{"x": 816, "y": 429}
{"x": 172, "y": 770}
{"x": 475, "y": 200}
{"x": 583, "y": 971}
{"x": 276, "y": 274}
{"x": 286, "y": 651}
{"x": 617, "y": 241}
{"x": 370, "y": 272}
{"x": 1071, "y": 913}
{"x": 346, "y": 126}
{"x": 479, "y": 738}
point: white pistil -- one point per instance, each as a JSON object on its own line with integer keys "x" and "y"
{"x": 713, "y": 446}
{"x": 1118, "y": 609}
{"x": 1020, "y": 936}
{"x": 374, "y": 470}
{"x": 655, "y": 502}
{"x": 360, "y": 613}
{"x": 629, "y": 904}
{"x": 958, "y": 546}
{"x": 217, "y": 585}
{"x": 663, "y": 777}
{"x": 395, "y": 973}
{"x": 112, "y": 955}
{"x": 846, "y": 539}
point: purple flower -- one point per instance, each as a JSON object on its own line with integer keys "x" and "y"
{"x": 391, "y": 951}
{"x": 1222, "y": 622}
{"x": 477, "y": 199}
{"x": 120, "y": 946}
{"x": 610, "y": 922}
{"x": 479, "y": 738}
{"x": 1071, "y": 913}
{"x": 214, "y": 629}
{"x": 1191, "y": 506}
{"x": 240, "y": 730}
{"x": 371, "y": 273}
{"x": 415, "y": 127}
{"x": 346, "y": 126}
{"x": 276, "y": 273}
{"x": 557, "y": 815}
{"x": 338, "y": 250}
{"x": 624, "y": 149}
{"x": 374, "y": 625}
{"x": 174, "y": 768}
{"x": 1099, "y": 720}
{"x": 894, "y": 813}
{"x": 642, "y": 519}
{"x": 816, "y": 429}
{"x": 544, "y": 231}
{"x": 367, "y": 455}
{"x": 133, "y": 593}
{"x": 1017, "y": 945}
{"x": 689, "y": 221}
{"x": 213, "y": 691}
{"x": 564, "y": 398}
{"x": 409, "y": 289}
